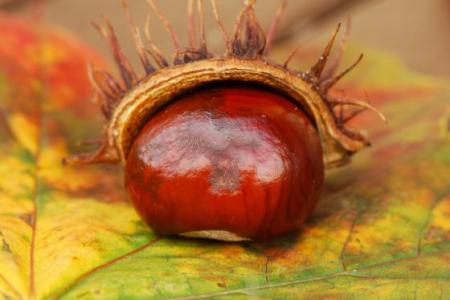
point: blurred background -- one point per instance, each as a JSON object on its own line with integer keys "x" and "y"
{"x": 418, "y": 31}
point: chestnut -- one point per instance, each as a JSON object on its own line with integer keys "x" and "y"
{"x": 229, "y": 159}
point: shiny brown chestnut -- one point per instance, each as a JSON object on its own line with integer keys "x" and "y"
{"x": 231, "y": 147}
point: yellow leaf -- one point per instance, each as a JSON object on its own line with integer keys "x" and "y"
{"x": 25, "y": 131}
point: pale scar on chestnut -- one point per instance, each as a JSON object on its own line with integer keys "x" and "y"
{"x": 230, "y": 147}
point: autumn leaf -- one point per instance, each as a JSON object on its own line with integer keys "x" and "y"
{"x": 382, "y": 228}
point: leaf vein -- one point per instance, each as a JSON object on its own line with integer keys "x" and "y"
{"x": 421, "y": 233}
{"x": 316, "y": 279}
{"x": 104, "y": 266}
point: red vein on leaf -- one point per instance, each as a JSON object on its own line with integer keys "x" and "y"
{"x": 104, "y": 266}
{"x": 34, "y": 199}
{"x": 34, "y": 221}
{"x": 39, "y": 120}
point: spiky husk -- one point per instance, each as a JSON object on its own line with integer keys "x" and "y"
{"x": 127, "y": 103}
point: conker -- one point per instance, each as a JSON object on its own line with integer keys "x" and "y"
{"x": 238, "y": 159}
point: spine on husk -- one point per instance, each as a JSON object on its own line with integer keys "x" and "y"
{"x": 127, "y": 102}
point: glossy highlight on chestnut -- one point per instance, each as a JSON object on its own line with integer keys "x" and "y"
{"x": 243, "y": 158}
